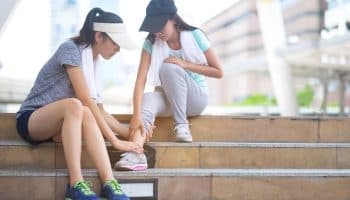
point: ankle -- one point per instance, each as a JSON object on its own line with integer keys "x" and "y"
{"x": 105, "y": 177}
{"x": 108, "y": 181}
{"x": 73, "y": 182}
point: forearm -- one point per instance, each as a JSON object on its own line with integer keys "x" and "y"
{"x": 137, "y": 98}
{"x": 213, "y": 68}
{"x": 140, "y": 83}
{"x": 80, "y": 87}
{"x": 114, "y": 124}
{"x": 105, "y": 129}
{"x": 204, "y": 70}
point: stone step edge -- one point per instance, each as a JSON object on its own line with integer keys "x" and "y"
{"x": 187, "y": 172}
{"x": 236, "y": 116}
{"x": 4, "y": 143}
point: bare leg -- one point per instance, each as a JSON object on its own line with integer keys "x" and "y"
{"x": 138, "y": 138}
{"x": 95, "y": 145}
{"x": 62, "y": 117}
{"x": 123, "y": 131}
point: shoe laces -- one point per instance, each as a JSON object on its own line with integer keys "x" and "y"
{"x": 127, "y": 156}
{"x": 133, "y": 157}
{"x": 115, "y": 186}
{"x": 182, "y": 126}
{"x": 85, "y": 187}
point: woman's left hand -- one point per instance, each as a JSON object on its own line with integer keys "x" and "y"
{"x": 127, "y": 146}
{"x": 177, "y": 61}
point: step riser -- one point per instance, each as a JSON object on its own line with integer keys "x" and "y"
{"x": 8, "y": 128}
{"x": 208, "y": 157}
{"x": 234, "y": 129}
{"x": 199, "y": 188}
{"x": 39, "y": 188}
{"x": 281, "y": 188}
{"x": 51, "y": 156}
{"x": 87, "y": 163}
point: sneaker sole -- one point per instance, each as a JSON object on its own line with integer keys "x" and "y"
{"x": 139, "y": 167}
{"x": 186, "y": 140}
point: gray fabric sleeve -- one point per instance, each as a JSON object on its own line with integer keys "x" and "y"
{"x": 69, "y": 54}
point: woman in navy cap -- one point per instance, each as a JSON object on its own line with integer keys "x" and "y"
{"x": 174, "y": 59}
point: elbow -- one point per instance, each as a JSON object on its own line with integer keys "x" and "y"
{"x": 220, "y": 74}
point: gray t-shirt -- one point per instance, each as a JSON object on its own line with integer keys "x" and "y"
{"x": 52, "y": 83}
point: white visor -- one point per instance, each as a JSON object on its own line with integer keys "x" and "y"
{"x": 117, "y": 32}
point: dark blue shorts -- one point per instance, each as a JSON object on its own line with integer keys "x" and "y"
{"x": 22, "y": 128}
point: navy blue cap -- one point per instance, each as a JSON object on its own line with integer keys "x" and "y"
{"x": 158, "y": 12}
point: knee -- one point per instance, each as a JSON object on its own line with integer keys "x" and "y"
{"x": 168, "y": 69}
{"x": 73, "y": 106}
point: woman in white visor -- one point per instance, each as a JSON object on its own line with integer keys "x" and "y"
{"x": 63, "y": 104}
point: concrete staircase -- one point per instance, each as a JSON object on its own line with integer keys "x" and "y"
{"x": 231, "y": 158}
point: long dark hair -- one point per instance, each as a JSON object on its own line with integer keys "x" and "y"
{"x": 87, "y": 34}
{"x": 181, "y": 25}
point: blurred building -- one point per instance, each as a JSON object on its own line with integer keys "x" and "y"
{"x": 235, "y": 35}
{"x": 67, "y": 17}
{"x": 65, "y": 21}
{"x": 58, "y": 21}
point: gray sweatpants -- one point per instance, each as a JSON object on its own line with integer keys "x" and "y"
{"x": 179, "y": 96}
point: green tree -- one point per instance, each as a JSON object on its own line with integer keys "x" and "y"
{"x": 305, "y": 96}
{"x": 258, "y": 100}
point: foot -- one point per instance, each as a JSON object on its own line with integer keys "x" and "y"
{"x": 131, "y": 161}
{"x": 112, "y": 191}
{"x": 80, "y": 191}
{"x": 183, "y": 133}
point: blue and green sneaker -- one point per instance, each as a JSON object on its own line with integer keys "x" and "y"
{"x": 80, "y": 191}
{"x": 112, "y": 191}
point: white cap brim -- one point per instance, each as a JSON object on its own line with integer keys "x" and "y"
{"x": 123, "y": 40}
{"x": 117, "y": 32}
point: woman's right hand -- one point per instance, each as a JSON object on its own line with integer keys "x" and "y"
{"x": 127, "y": 146}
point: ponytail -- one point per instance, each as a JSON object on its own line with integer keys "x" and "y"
{"x": 87, "y": 35}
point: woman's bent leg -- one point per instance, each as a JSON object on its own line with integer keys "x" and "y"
{"x": 96, "y": 146}
{"x": 63, "y": 117}
{"x": 185, "y": 96}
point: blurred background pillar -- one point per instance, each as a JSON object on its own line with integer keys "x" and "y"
{"x": 274, "y": 37}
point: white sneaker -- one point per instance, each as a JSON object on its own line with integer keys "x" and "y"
{"x": 183, "y": 133}
{"x": 131, "y": 161}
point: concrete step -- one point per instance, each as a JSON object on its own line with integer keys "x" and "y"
{"x": 18, "y": 154}
{"x": 251, "y": 155}
{"x": 21, "y": 155}
{"x": 234, "y": 129}
{"x": 189, "y": 184}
